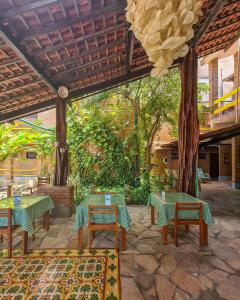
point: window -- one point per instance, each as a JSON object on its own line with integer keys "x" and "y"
{"x": 201, "y": 155}
{"x": 174, "y": 155}
{"x": 31, "y": 155}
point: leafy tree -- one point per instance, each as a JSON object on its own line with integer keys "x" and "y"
{"x": 45, "y": 149}
{"x": 156, "y": 102}
{"x": 13, "y": 141}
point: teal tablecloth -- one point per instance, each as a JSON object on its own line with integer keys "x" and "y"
{"x": 99, "y": 199}
{"x": 166, "y": 209}
{"x": 29, "y": 209}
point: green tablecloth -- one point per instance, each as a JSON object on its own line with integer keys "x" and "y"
{"x": 29, "y": 209}
{"x": 166, "y": 209}
{"x": 99, "y": 199}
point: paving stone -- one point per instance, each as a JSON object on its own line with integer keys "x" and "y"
{"x": 148, "y": 249}
{"x": 206, "y": 281}
{"x": 53, "y": 243}
{"x": 136, "y": 229}
{"x": 151, "y": 233}
{"x": 143, "y": 279}
{"x": 149, "y": 294}
{"x": 220, "y": 264}
{"x": 227, "y": 226}
{"x": 187, "y": 282}
{"x": 127, "y": 265}
{"x": 130, "y": 290}
{"x": 209, "y": 295}
{"x": 226, "y": 254}
{"x": 179, "y": 295}
{"x": 209, "y": 273}
{"x": 168, "y": 264}
{"x": 155, "y": 228}
{"x": 235, "y": 244}
{"x": 229, "y": 288}
{"x": 217, "y": 275}
{"x": 165, "y": 289}
{"x": 147, "y": 262}
{"x": 234, "y": 263}
{"x": 132, "y": 239}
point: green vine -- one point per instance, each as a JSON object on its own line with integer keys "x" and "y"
{"x": 98, "y": 155}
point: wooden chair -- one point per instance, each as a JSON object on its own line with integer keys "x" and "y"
{"x": 181, "y": 207}
{"x": 94, "y": 210}
{"x": 203, "y": 177}
{"x": 8, "y": 230}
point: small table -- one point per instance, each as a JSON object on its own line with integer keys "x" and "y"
{"x": 99, "y": 199}
{"x": 166, "y": 211}
{"x": 26, "y": 212}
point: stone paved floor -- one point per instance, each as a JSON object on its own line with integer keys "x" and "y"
{"x": 152, "y": 271}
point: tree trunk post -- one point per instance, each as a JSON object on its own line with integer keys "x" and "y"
{"x": 188, "y": 125}
{"x": 61, "y": 164}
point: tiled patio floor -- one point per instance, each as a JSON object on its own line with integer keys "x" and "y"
{"x": 150, "y": 270}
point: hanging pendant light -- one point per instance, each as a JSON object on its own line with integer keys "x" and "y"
{"x": 163, "y": 27}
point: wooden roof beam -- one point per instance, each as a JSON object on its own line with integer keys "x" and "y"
{"x": 212, "y": 32}
{"x": 212, "y": 49}
{"x": 79, "y": 39}
{"x": 24, "y": 8}
{"x": 103, "y": 86}
{"x": 18, "y": 49}
{"x": 76, "y": 95}
{"x": 210, "y": 18}
{"x": 74, "y": 79}
{"x": 232, "y": 41}
{"x": 35, "y": 91}
{"x": 28, "y": 110}
{"x": 130, "y": 47}
{"x": 29, "y": 34}
{"x": 20, "y": 86}
{"x": 5, "y": 80}
{"x": 91, "y": 63}
{"x": 77, "y": 58}
{"x": 222, "y": 36}
{"x": 9, "y": 62}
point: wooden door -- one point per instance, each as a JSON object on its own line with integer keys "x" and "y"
{"x": 214, "y": 165}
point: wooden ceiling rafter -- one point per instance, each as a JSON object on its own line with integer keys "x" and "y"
{"x": 30, "y": 93}
{"x": 24, "y": 56}
{"x": 24, "y": 74}
{"x": 78, "y": 40}
{"x": 29, "y": 34}
{"x": 214, "y": 33}
{"x": 86, "y": 46}
{"x": 11, "y": 13}
{"x": 210, "y": 18}
{"x": 17, "y": 87}
{"x": 76, "y": 58}
{"x": 90, "y": 63}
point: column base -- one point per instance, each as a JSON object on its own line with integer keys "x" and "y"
{"x": 236, "y": 185}
{"x": 63, "y": 198}
{"x": 224, "y": 178}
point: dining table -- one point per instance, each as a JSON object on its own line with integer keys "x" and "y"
{"x": 81, "y": 219}
{"x": 25, "y": 212}
{"x": 165, "y": 207}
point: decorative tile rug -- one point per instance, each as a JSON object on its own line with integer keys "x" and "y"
{"x": 60, "y": 275}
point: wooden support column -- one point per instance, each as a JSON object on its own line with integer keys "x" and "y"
{"x": 188, "y": 125}
{"x": 61, "y": 165}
